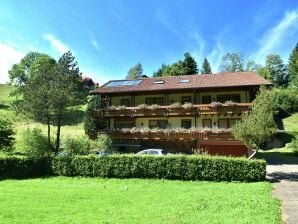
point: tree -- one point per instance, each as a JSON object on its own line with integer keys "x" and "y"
{"x": 259, "y": 125}
{"x": 189, "y": 65}
{"x": 6, "y": 132}
{"x": 186, "y": 67}
{"x": 252, "y": 66}
{"x": 232, "y": 62}
{"x": 135, "y": 72}
{"x": 276, "y": 71}
{"x": 293, "y": 67}
{"x": 206, "y": 68}
{"x": 66, "y": 90}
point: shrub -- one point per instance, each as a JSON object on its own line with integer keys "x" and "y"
{"x": 103, "y": 143}
{"x": 168, "y": 167}
{"x": 34, "y": 143}
{"x": 24, "y": 167}
{"x": 294, "y": 145}
{"x": 6, "y": 133}
{"x": 78, "y": 145}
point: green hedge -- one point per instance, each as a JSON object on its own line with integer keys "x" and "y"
{"x": 24, "y": 167}
{"x": 168, "y": 167}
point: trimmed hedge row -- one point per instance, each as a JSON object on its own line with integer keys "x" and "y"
{"x": 132, "y": 166}
{"x": 167, "y": 167}
{"x": 24, "y": 167}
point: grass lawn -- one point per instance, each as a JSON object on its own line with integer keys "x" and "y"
{"x": 93, "y": 200}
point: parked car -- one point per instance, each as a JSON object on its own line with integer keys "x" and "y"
{"x": 102, "y": 153}
{"x": 157, "y": 152}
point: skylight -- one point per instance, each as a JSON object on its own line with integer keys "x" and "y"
{"x": 159, "y": 82}
{"x": 184, "y": 81}
{"x": 124, "y": 83}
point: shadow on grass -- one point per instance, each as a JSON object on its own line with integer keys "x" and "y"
{"x": 278, "y": 158}
{"x": 3, "y": 106}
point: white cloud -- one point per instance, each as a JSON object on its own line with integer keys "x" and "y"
{"x": 56, "y": 44}
{"x": 123, "y": 21}
{"x": 276, "y": 36}
{"x": 215, "y": 56}
{"x": 198, "y": 53}
{"x": 95, "y": 44}
{"x": 8, "y": 57}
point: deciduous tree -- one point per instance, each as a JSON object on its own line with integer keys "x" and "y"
{"x": 135, "y": 72}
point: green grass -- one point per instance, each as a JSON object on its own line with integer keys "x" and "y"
{"x": 90, "y": 200}
{"x": 4, "y": 94}
{"x": 291, "y": 123}
{"x": 21, "y": 123}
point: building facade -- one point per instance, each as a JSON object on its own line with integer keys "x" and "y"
{"x": 191, "y": 113}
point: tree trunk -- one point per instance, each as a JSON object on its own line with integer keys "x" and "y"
{"x": 58, "y": 132}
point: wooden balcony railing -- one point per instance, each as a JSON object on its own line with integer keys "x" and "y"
{"x": 171, "y": 136}
{"x": 164, "y": 111}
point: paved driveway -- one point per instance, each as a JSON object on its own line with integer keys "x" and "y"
{"x": 284, "y": 176}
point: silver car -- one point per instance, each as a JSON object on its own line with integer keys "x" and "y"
{"x": 156, "y": 152}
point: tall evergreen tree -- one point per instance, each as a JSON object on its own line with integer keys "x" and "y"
{"x": 276, "y": 70}
{"x": 135, "y": 72}
{"x": 189, "y": 65}
{"x": 293, "y": 67}
{"x": 206, "y": 68}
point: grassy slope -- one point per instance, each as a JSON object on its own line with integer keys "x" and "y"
{"x": 21, "y": 123}
{"x": 87, "y": 200}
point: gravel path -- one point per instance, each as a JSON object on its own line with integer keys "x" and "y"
{"x": 285, "y": 181}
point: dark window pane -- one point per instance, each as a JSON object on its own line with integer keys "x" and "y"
{"x": 224, "y": 98}
{"x": 207, "y": 123}
{"x": 186, "y": 99}
{"x": 125, "y": 102}
{"x": 206, "y": 99}
{"x": 186, "y": 124}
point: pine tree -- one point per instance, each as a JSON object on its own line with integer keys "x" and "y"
{"x": 189, "y": 65}
{"x": 293, "y": 67}
{"x": 206, "y": 68}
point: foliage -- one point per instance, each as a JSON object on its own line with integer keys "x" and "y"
{"x": 103, "y": 143}
{"x": 6, "y": 133}
{"x": 78, "y": 145}
{"x": 34, "y": 143}
{"x": 24, "y": 167}
{"x": 89, "y": 121}
{"x": 167, "y": 167}
{"x": 294, "y": 145}
{"x": 275, "y": 71}
{"x": 286, "y": 98}
{"x": 232, "y": 62}
{"x": 206, "y": 67}
{"x": 293, "y": 67}
{"x": 259, "y": 125}
{"x": 134, "y": 201}
{"x": 186, "y": 67}
{"x": 135, "y": 72}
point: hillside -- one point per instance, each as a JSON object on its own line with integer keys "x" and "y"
{"x": 22, "y": 123}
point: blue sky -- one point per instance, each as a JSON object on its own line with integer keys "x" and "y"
{"x": 109, "y": 37}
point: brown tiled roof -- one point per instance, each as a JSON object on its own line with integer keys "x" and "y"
{"x": 195, "y": 82}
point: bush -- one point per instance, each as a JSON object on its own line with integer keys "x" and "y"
{"x": 33, "y": 143}
{"x": 168, "y": 167}
{"x": 80, "y": 145}
{"x": 103, "y": 143}
{"x": 6, "y": 133}
{"x": 294, "y": 145}
{"x": 285, "y": 98}
{"x": 24, "y": 167}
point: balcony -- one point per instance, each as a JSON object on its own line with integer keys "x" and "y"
{"x": 170, "y": 110}
{"x": 171, "y": 134}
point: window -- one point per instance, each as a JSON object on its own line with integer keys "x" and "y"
{"x": 158, "y": 124}
{"x": 226, "y": 123}
{"x": 124, "y": 83}
{"x": 224, "y": 98}
{"x": 184, "y": 81}
{"x": 207, "y": 123}
{"x": 186, "y": 124}
{"x": 156, "y": 100}
{"x": 186, "y": 99}
{"x": 123, "y": 124}
{"x": 125, "y": 102}
{"x": 206, "y": 99}
{"x": 159, "y": 82}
